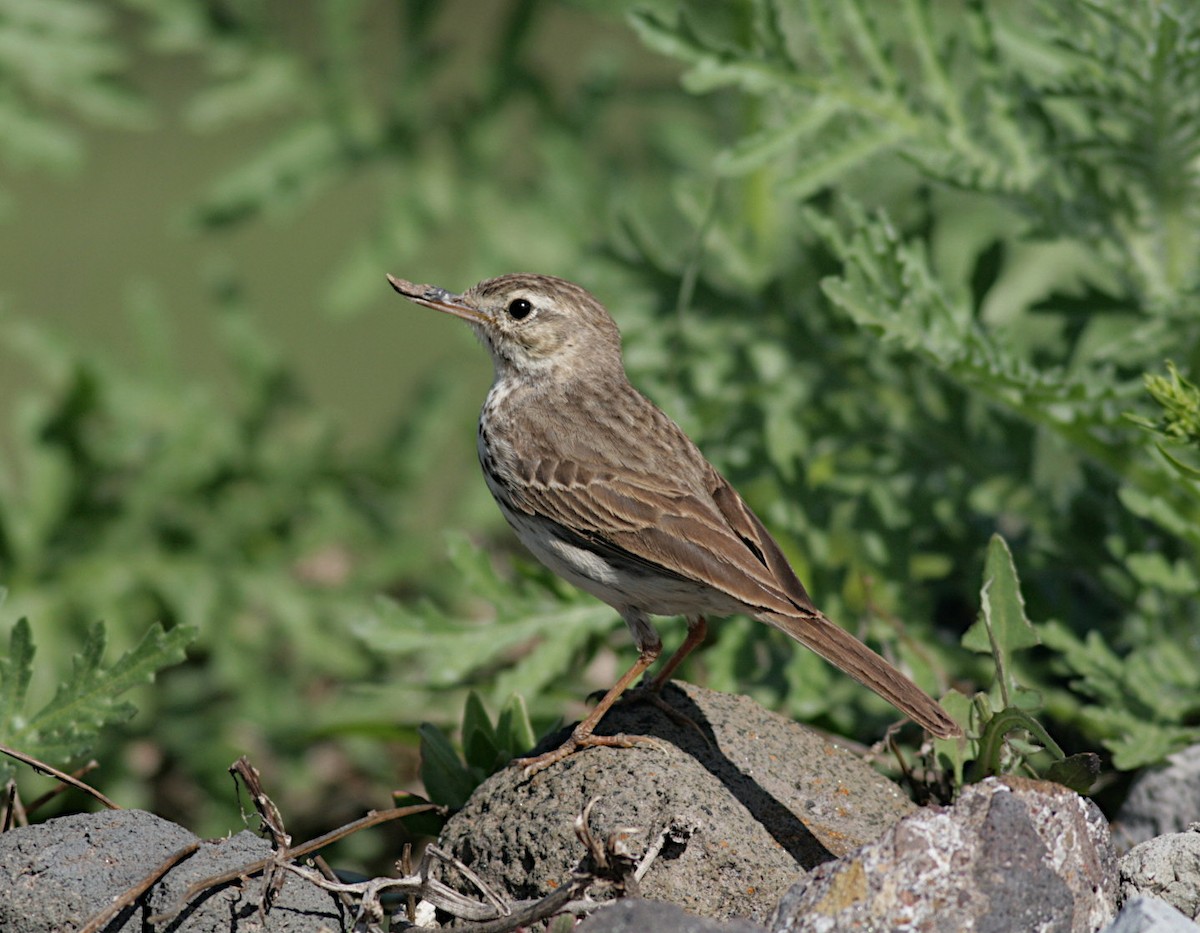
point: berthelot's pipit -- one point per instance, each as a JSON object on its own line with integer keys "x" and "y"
{"x": 610, "y": 494}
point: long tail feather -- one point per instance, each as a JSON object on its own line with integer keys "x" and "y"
{"x": 844, "y": 651}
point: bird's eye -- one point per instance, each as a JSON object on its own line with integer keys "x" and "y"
{"x": 519, "y": 308}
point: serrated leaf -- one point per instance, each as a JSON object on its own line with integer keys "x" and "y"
{"x": 1154, "y": 570}
{"x": 1147, "y": 744}
{"x": 836, "y": 156}
{"x": 85, "y": 702}
{"x": 268, "y": 83}
{"x": 288, "y": 173}
{"x": 1099, "y": 669}
{"x": 766, "y": 145}
{"x": 67, "y": 725}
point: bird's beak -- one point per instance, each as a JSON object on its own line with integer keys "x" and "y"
{"x": 433, "y": 297}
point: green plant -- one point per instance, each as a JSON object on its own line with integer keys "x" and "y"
{"x": 1178, "y": 424}
{"x": 62, "y": 66}
{"x": 67, "y": 726}
{"x": 959, "y": 358}
{"x": 450, "y": 776}
{"x": 1003, "y": 736}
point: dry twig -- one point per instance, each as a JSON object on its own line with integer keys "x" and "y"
{"x": 60, "y": 788}
{"x": 374, "y": 818}
{"x": 608, "y": 863}
{"x": 43, "y": 768}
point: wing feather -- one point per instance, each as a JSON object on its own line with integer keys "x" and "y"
{"x": 702, "y": 532}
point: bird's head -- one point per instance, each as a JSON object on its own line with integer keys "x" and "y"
{"x": 533, "y": 325}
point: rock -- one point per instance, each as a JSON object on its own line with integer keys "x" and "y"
{"x": 1161, "y": 800}
{"x": 55, "y": 875}
{"x": 636, "y": 915}
{"x": 1166, "y": 867}
{"x": 1011, "y": 854}
{"x": 743, "y": 801}
{"x": 1150, "y": 915}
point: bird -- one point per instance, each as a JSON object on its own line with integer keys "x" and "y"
{"x": 610, "y": 494}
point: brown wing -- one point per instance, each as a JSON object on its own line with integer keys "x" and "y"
{"x": 703, "y": 532}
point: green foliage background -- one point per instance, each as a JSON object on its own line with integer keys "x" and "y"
{"x": 903, "y": 270}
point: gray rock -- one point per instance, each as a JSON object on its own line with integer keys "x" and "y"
{"x": 1167, "y": 867}
{"x": 636, "y": 915}
{"x": 746, "y": 801}
{"x": 55, "y": 875}
{"x": 1161, "y": 800}
{"x": 1011, "y": 854}
{"x": 1150, "y": 915}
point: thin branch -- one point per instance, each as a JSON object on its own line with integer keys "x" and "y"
{"x": 10, "y": 808}
{"x": 268, "y": 812}
{"x": 330, "y": 875}
{"x": 272, "y": 819}
{"x": 43, "y": 768}
{"x": 554, "y": 903}
{"x": 374, "y": 818}
{"x": 60, "y": 788}
{"x": 523, "y": 914}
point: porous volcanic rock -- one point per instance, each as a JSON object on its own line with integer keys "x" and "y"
{"x": 742, "y": 801}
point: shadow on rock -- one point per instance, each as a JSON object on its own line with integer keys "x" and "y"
{"x": 739, "y": 801}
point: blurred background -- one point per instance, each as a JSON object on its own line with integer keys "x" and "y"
{"x": 908, "y": 273}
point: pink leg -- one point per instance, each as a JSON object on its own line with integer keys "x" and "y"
{"x": 697, "y": 632}
{"x": 582, "y": 736}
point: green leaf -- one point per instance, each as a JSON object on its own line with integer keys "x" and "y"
{"x": 1143, "y": 744}
{"x": 475, "y": 718}
{"x": 989, "y": 759}
{"x": 1002, "y": 628}
{"x": 481, "y": 745}
{"x": 758, "y": 149}
{"x": 836, "y": 155}
{"x": 447, "y": 779}
{"x": 952, "y": 753}
{"x": 15, "y": 672}
{"x": 1142, "y": 703}
{"x": 1078, "y": 772}
{"x": 514, "y": 730}
{"x": 1154, "y": 570}
{"x": 85, "y": 702}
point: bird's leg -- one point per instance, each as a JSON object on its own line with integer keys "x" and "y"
{"x": 697, "y": 632}
{"x": 581, "y": 736}
{"x": 651, "y": 692}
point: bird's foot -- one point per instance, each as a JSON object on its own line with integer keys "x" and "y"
{"x": 574, "y": 743}
{"x": 650, "y": 691}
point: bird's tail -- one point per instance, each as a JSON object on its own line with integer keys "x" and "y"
{"x": 843, "y": 650}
